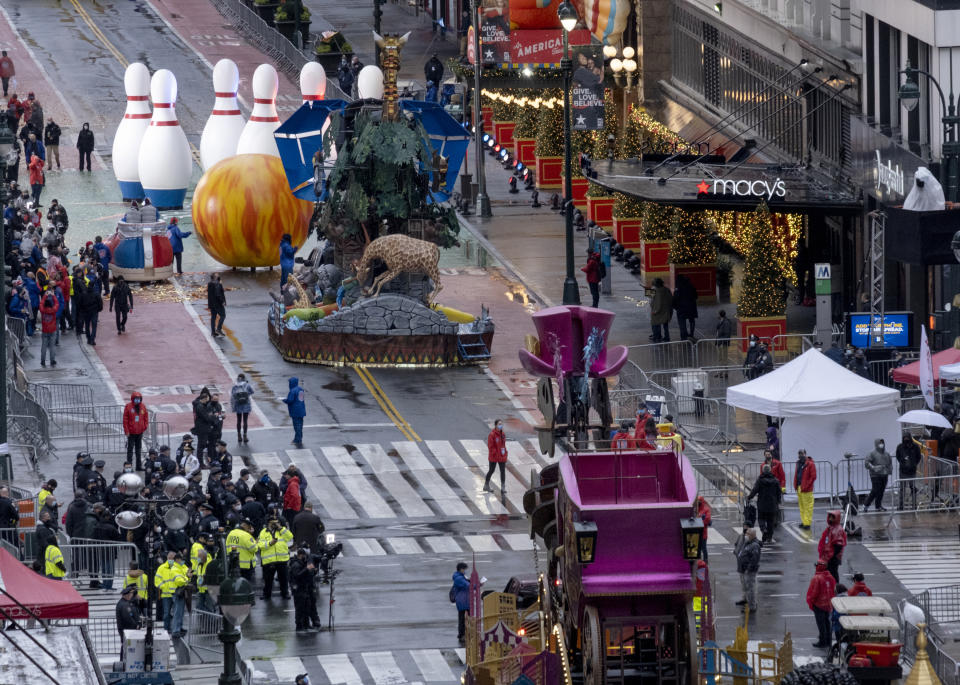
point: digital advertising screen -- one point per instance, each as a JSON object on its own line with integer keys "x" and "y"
{"x": 896, "y": 329}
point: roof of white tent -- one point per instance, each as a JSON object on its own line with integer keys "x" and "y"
{"x": 810, "y": 384}
{"x": 950, "y": 372}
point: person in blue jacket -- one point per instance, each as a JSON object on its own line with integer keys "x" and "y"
{"x": 297, "y": 408}
{"x": 176, "y": 237}
{"x": 33, "y": 290}
{"x": 103, "y": 256}
{"x": 287, "y": 250}
{"x": 461, "y": 596}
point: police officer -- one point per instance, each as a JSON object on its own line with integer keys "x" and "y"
{"x": 302, "y": 575}
{"x": 114, "y": 497}
{"x": 82, "y": 471}
{"x": 241, "y": 540}
{"x": 275, "y": 542}
{"x": 128, "y": 614}
{"x": 99, "y": 481}
{"x": 208, "y": 522}
{"x": 223, "y": 458}
{"x": 167, "y": 464}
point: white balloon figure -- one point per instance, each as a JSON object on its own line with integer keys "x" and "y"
{"x": 225, "y": 123}
{"x": 126, "y": 141}
{"x": 370, "y": 82}
{"x": 257, "y": 136}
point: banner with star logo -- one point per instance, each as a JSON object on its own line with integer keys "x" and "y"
{"x": 586, "y": 95}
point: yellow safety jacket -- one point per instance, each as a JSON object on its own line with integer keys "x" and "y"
{"x": 194, "y": 553}
{"x": 53, "y": 566}
{"x": 275, "y": 547}
{"x": 42, "y": 496}
{"x": 170, "y": 577}
{"x": 198, "y": 572}
{"x": 241, "y": 541}
{"x": 140, "y": 580}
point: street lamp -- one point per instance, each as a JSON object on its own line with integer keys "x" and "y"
{"x": 483, "y": 200}
{"x": 909, "y": 96}
{"x": 568, "y": 16}
{"x": 235, "y": 597}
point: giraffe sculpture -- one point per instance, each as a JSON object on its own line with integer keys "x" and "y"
{"x": 390, "y": 46}
{"x": 401, "y": 254}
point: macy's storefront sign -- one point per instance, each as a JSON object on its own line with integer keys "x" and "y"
{"x": 767, "y": 189}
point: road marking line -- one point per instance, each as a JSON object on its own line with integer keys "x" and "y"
{"x": 383, "y": 667}
{"x": 405, "y": 545}
{"x": 482, "y": 543}
{"x": 372, "y": 386}
{"x": 94, "y": 359}
{"x": 217, "y": 351}
{"x": 366, "y": 547}
{"x": 442, "y": 544}
{"x": 287, "y": 668}
{"x": 339, "y": 670}
{"x": 378, "y": 458}
{"x": 519, "y": 542}
{"x": 412, "y": 456}
{"x": 433, "y": 666}
{"x": 406, "y": 427}
{"x": 404, "y": 494}
{"x": 269, "y": 461}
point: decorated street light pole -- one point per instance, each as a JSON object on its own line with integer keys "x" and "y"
{"x": 568, "y": 19}
{"x": 483, "y": 201}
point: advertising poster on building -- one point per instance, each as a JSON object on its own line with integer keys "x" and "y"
{"x": 586, "y": 96}
{"x": 495, "y": 31}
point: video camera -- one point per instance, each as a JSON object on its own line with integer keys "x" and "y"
{"x": 328, "y": 550}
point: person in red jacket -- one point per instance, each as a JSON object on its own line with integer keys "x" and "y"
{"x": 640, "y": 428}
{"x": 776, "y": 468}
{"x": 622, "y": 440}
{"x": 706, "y": 514}
{"x": 497, "y": 455}
{"x": 292, "y": 500}
{"x": 821, "y": 590}
{"x": 803, "y": 482}
{"x": 833, "y": 540}
{"x": 859, "y": 588}
{"x": 36, "y": 177}
{"x": 48, "y": 327}
{"x": 135, "y": 422}
{"x": 592, "y": 269}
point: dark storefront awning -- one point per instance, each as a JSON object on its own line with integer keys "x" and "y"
{"x": 921, "y": 237}
{"x": 726, "y": 187}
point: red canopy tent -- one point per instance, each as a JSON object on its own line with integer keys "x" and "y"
{"x": 910, "y": 373}
{"x": 45, "y": 597}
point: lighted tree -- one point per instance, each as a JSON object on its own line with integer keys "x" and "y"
{"x": 762, "y": 293}
{"x": 550, "y": 130}
{"x": 691, "y": 239}
{"x": 526, "y": 118}
{"x": 657, "y": 221}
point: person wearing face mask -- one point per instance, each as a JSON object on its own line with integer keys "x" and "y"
{"x": 497, "y": 454}
{"x": 135, "y": 421}
{"x": 751, "y": 359}
{"x": 240, "y": 405}
{"x": 169, "y": 580}
{"x": 85, "y": 143}
{"x": 879, "y": 464}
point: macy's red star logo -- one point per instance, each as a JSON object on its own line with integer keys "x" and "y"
{"x": 703, "y": 188}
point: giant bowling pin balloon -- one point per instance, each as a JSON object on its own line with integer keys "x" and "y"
{"x": 370, "y": 82}
{"x": 164, "y": 163}
{"x": 313, "y": 82}
{"x": 225, "y": 123}
{"x": 257, "y": 136}
{"x": 126, "y": 141}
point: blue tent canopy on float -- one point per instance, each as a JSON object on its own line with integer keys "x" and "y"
{"x": 301, "y": 135}
{"x": 299, "y": 138}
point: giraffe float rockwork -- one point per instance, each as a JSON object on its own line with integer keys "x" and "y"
{"x": 390, "y": 46}
{"x": 401, "y": 254}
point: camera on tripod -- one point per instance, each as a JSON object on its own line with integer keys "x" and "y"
{"x": 328, "y": 550}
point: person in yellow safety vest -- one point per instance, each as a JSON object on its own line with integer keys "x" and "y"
{"x": 135, "y": 576}
{"x": 169, "y": 580}
{"x": 241, "y": 541}
{"x": 666, "y": 437}
{"x": 275, "y": 542}
{"x": 53, "y": 562}
{"x": 45, "y": 492}
{"x": 204, "y": 557}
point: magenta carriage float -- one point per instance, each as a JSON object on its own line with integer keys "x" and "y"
{"x": 617, "y": 525}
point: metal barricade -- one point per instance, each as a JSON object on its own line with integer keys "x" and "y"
{"x": 17, "y": 327}
{"x": 720, "y": 484}
{"x": 202, "y": 629}
{"x": 911, "y": 403}
{"x": 98, "y": 560}
{"x": 677, "y": 354}
{"x": 72, "y": 422}
{"x": 109, "y": 438}
{"x": 64, "y": 397}
{"x": 713, "y": 351}
{"x": 787, "y": 346}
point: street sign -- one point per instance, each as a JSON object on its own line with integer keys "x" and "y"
{"x": 823, "y": 283}
{"x": 823, "y": 271}
{"x": 823, "y": 287}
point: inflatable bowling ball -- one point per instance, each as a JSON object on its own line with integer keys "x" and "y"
{"x": 241, "y": 208}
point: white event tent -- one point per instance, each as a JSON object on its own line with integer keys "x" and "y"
{"x": 827, "y": 410}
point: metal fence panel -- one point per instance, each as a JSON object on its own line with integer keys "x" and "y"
{"x": 677, "y": 354}
{"x": 717, "y": 352}
{"x": 63, "y": 396}
{"x": 109, "y": 438}
{"x": 98, "y": 560}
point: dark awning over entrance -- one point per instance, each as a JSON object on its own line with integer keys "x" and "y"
{"x": 921, "y": 237}
{"x": 726, "y": 187}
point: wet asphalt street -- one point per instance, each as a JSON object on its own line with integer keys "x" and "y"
{"x": 394, "y": 458}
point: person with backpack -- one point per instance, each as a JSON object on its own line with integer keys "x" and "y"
{"x": 240, "y": 405}
{"x": 460, "y": 595}
{"x": 596, "y": 271}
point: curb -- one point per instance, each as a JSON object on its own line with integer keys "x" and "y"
{"x": 542, "y": 299}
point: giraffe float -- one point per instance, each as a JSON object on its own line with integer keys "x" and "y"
{"x": 390, "y": 46}
{"x": 401, "y": 254}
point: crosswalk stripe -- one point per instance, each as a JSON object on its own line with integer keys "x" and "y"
{"x": 307, "y": 462}
{"x": 443, "y": 544}
{"x": 339, "y": 670}
{"x": 377, "y": 457}
{"x": 404, "y": 494}
{"x": 472, "y": 485}
{"x": 432, "y": 665}
{"x": 477, "y": 449}
{"x": 445, "y": 454}
{"x": 518, "y": 454}
{"x": 406, "y": 545}
{"x": 328, "y": 494}
{"x": 518, "y": 541}
{"x": 920, "y": 563}
{"x": 341, "y": 460}
{"x": 366, "y": 547}
{"x": 367, "y": 497}
{"x": 534, "y": 446}
{"x": 288, "y": 667}
{"x": 269, "y": 461}
{"x": 443, "y": 495}
{"x": 412, "y": 456}
{"x": 715, "y": 538}
{"x": 482, "y": 543}
{"x": 383, "y": 667}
